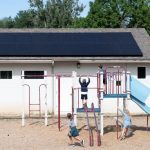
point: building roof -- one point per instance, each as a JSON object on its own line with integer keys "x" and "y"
{"x": 65, "y": 44}
{"x": 115, "y": 45}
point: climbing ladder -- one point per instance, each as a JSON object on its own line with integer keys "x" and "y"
{"x": 92, "y": 110}
{"x": 31, "y": 104}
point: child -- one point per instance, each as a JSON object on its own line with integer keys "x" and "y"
{"x": 73, "y": 132}
{"x": 84, "y": 90}
{"x": 104, "y": 78}
{"x": 126, "y": 122}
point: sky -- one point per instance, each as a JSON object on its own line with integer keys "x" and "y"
{"x": 12, "y": 7}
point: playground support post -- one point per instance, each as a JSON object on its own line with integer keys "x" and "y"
{"x": 101, "y": 117}
{"x": 23, "y": 103}
{"x": 101, "y": 85}
{"x": 147, "y": 121}
{"x": 75, "y": 102}
{"x": 102, "y": 124}
{"x": 117, "y": 103}
{"x": 98, "y": 96}
{"x": 45, "y": 99}
{"x": 59, "y": 103}
{"x": 128, "y": 85}
{"x": 46, "y": 116}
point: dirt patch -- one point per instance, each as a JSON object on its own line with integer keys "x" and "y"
{"x": 36, "y": 136}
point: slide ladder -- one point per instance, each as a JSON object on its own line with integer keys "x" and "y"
{"x": 96, "y": 125}
{"x": 91, "y": 140}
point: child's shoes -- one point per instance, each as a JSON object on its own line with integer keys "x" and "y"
{"x": 82, "y": 143}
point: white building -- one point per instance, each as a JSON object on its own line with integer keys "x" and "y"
{"x": 30, "y": 52}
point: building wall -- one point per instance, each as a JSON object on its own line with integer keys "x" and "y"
{"x": 109, "y": 105}
{"x": 133, "y": 69}
{"x": 12, "y": 91}
{"x": 11, "y": 96}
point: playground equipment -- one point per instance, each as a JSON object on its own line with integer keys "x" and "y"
{"x": 115, "y": 85}
{"x": 119, "y": 84}
{"x": 77, "y": 109}
{"x": 58, "y": 78}
{"x": 91, "y": 141}
{"x": 140, "y": 94}
{"x": 31, "y": 104}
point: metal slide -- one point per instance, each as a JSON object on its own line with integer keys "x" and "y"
{"x": 140, "y": 94}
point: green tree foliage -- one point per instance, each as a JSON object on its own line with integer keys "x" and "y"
{"x": 66, "y": 13}
{"x": 55, "y": 13}
{"x": 116, "y": 14}
{"x": 140, "y": 14}
{"x": 24, "y": 19}
{"x": 49, "y": 14}
{"x": 107, "y": 13}
{"x": 38, "y": 10}
{"x": 62, "y": 13}
{"x": 7, "y": 23}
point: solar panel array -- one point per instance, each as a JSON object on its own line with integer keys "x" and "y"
{"x": 76, "y": 44}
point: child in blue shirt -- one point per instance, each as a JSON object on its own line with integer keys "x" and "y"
{"x": 84, "y": 90}
{"x": 73, "y": 132}
{"x": 126, "y": 122}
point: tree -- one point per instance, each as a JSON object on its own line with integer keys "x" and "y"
{"x": 37, "y": 7}
{"x": 24, "y": 19}
{"x": 116, "y": 14}
{"x": 7, "y": 23}
{"x": 55, "y": 13}
{"x": 140, "y": 14}
{"x": 107, "y": 14}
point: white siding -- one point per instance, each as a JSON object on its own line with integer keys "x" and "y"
{"x": 11, "y": 89}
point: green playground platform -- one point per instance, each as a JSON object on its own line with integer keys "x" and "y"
{"x": 115, "y": 95}
{"x": 82, "y": 110}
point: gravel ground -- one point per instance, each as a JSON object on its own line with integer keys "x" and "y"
{"x": 36, "y": 136}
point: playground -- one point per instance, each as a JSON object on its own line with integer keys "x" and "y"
{"x": 36, "y": 136}
{"x": 101, "y": 130}
{"x": 98, "y": 129}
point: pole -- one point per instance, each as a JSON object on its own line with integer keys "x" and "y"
{"x": 75, "y": 102}
{"x": 128, "y": 85}
{"x": 72, "y": 101}
{"x": 46, "y": 116}
{"x": 23, "y": 103}
{"x": 117, "y": 102}
{"x": 59, "y": 103}
{"x": 147, "y": 121}
{"x": 100, "y": 104}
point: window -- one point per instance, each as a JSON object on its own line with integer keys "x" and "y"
{"x": 5, "y": 74}
{"x": 141, "y": 72}
{"x": 33, "y": 74}
{"x": 118, "y": 83}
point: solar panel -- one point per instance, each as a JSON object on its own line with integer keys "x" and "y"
{"x": 74, "y": 44}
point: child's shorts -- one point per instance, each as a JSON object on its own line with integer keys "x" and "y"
{"x": 84, "y": 96}
{"x": 74, "y": 132}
